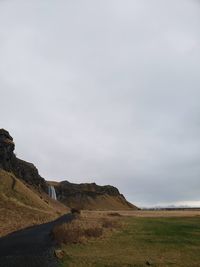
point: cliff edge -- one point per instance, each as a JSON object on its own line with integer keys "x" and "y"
{"x": 90, "y": 196}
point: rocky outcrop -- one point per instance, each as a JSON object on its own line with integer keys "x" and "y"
{"x": 23, "y": 170}
{"x": 91, "y": 196}
{"x": 7, "y": 147}
{"x": 66, "y": 188}
{"x": 81, "y": 196}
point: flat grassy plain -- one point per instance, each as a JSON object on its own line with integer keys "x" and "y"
{"x": 142, "y": 241}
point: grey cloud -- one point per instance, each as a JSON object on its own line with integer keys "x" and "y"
{"x": 105, "y": 91}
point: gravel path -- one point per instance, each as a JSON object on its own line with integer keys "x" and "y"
{"x": 30, "y": 247}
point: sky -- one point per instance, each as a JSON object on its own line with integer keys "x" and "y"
{"x": 106, "y": 91}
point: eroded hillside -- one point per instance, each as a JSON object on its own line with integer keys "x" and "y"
{"x": 91, "y": 196}
{"x": 24, "y": 198}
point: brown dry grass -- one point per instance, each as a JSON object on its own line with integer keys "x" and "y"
{"x": 100, "y": 202}
{"x": 94, "y": 232}
{"x": 159, "y": 242}
{"x": 108, "y": 223}
{"x": 21, "y": 207}
{"x": 145, "y": 213}
{"x": 83, "y": 228}
{"x": 115, "y": 214}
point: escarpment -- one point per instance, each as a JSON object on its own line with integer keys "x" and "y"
{"x": 91, "y": 196}
{"x": 83, "y": 196}
{"x": 7, "y": 147}
{"x": 23, "y": 192}
{"x": 23, "y": 170}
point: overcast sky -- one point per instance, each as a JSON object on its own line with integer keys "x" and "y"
{"x": 105, "y": 91}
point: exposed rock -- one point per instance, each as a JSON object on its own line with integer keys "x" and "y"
{"x": 91, "y": 196}
{"x": 67, "y": 188}
{"x": 7, "y": 147}
{"x": 22, "y": 169}
{"x": 59, "y": 254}
{"x": 29, "y": 173}
{"x": 75, "y": 211}
{"x": 149, "y": 263}
{"x": 78, "y": 196}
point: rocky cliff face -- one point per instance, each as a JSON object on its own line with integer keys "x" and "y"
{"x": 24, "y": 170}
{"x": 66, "y": 188}
{"x": 91, "y": 196}
{"x": 7, "y": 147}
{"x": 83, "y": 196}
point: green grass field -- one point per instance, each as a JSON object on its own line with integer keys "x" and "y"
{"x": 160, "y": 241}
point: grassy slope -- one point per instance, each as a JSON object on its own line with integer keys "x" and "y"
{"x": 161, "y": 241}
{"x": 100, "y": 202}
{"x": 21, "y": 206}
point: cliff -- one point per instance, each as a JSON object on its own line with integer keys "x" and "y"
{"x": 21, "y": 169}
{"x": 83, "y": 196}
{"x": 91, "y": 196}
{"x": 23, "y": 198}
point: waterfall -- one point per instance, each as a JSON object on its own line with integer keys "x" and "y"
{"x": 52, "y": 192}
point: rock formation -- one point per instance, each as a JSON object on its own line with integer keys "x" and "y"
{"x": 7, "y": 147}
{"x": 82, "y": 196}
{"x": 23, "y": 170}
{"x": 91, "y": 196}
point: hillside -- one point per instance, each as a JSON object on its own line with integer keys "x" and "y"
{"x": 23, "y": 170}
{"x": 91, "y": 196}
{"x": 23, "y": 192}
{"x": 21, "y": 206}
{"x": 25, "y": 198}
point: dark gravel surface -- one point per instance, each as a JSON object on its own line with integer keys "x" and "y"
{"x": 31, "y": 247}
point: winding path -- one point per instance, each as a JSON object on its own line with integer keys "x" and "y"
{"x": 30, "y": 247}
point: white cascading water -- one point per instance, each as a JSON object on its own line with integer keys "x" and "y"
{"x": 52, "y": 192}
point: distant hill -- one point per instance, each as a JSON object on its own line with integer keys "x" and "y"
{"x": 91, "y": 196}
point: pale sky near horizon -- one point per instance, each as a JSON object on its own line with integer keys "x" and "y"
{"x": 106, "y": 91}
